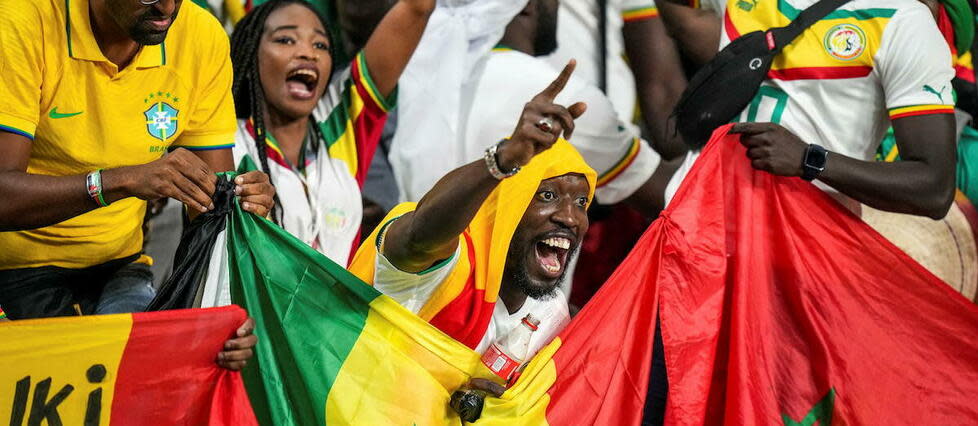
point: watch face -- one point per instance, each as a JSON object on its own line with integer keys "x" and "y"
{"x": 815, "y": 158}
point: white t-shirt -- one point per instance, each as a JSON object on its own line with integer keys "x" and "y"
{"x": 841, "y": 82}
{"x": 578, "y": 38}
{"x": 321, "y": 206}
{"x": 412, "y": 290}
{"x": 622, "y": 159}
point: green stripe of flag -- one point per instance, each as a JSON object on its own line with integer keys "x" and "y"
{"x": 287, "y": 299}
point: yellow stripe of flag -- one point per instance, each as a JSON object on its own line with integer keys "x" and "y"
{"x": 37, "y": 354}
{"x": 401, "y": 370}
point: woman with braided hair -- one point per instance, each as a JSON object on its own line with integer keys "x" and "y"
{"x": 314, "y": 128}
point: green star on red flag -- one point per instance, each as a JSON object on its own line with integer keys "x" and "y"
{"x": 821, "y": 412}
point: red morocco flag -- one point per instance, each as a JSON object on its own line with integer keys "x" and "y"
{"x": 778, "y": 306}
{"x": 781, "y": 307}
{"x": 133, "y": 369}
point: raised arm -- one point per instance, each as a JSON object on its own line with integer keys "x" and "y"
{"x": 393, "y": 42}
{"x": 430, "y": 233}
{"x": 659, "y": 79}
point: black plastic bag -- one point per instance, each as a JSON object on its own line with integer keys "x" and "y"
{"x": 181, "y": 289}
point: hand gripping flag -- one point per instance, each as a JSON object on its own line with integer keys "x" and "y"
{"x": 132, "y": 369}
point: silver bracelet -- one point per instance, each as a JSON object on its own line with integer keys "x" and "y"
{"x": 493, "y": 165}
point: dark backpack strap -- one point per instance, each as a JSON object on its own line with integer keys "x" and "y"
{"x": 785, "y": 35}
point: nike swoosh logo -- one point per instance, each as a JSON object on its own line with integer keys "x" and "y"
{"x": 55, "y": 114}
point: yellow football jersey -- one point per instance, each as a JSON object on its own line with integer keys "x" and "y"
{"x": 84, "y": 114}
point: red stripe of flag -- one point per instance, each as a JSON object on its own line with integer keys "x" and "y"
{"x": 168, "y": 374}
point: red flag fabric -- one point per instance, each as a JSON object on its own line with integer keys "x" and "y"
{"x": 129, "y": 369}
{"x": 778, "y": 306}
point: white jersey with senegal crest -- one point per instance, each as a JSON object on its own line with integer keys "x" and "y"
{"x": 843, "y": 80}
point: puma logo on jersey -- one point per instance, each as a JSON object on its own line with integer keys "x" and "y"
{"x": 940, "y": 94}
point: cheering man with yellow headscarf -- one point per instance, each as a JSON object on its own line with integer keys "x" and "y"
{"x": 500, "y": 228}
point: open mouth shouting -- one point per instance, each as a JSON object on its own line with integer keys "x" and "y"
{"x": 302, "y": 82}
{"x": 551, "y": 254}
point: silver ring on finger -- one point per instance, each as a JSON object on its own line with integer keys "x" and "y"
{"x": 149, "y": 2}
{"x": 546, "y": 124}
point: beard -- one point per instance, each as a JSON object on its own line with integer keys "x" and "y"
{"x": 523, "y": 282}
{"x": 515, "y": 274}
{"x": 545, "y": 41}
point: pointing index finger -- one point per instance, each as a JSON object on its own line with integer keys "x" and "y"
{"x": 557, "y": 85}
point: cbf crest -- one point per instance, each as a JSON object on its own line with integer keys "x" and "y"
{"x": 161, "y": 116}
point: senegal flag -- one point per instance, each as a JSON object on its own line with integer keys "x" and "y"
{"x": 130, "y": 369}
{"x": 336, "y": 351}
{"x": 333, "y": 349}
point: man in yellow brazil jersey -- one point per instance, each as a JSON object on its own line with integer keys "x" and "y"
{"x": 94, "y": 95}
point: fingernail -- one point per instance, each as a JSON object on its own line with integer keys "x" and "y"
{"x": 246, "y": 206}
{"x": 211, "y": 207}
{"x": 239, "y": 180}
{"x": 237, "y": 190}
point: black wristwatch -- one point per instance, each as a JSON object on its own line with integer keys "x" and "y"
{"x": 814, "y": 162}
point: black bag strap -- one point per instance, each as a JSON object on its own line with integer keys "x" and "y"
{"x": 783, "y": 36}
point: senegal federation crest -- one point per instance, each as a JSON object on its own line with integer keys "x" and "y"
{"x": 161, "y": 121}
{"x": 845, "y": 42}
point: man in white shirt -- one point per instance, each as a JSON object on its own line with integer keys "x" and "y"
{"x": 837, "y": 88}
